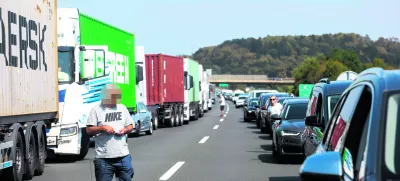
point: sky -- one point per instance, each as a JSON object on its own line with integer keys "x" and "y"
{"x": 178, "y": 27}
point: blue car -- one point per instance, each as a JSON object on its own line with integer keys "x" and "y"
{"x": 143, "y": 120}
{"x": 361, "y": 140}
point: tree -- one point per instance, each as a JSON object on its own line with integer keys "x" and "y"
{"x": 308, "y": 72}
{"x": 334, "y": 68}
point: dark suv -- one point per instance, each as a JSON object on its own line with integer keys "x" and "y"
{"x": 361, "y": 140}
{"x": 323, "y": 99}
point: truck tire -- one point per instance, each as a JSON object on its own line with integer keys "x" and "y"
{"x": 182, "y": 117}
{"x": 41, "y": 152}
{"x": 171, "y": 120}
{"x": 196, "y": 113}
{"x": 31, "y": 153}
{"x": 85, "y": 145}
{"x": 155, "y": 121}
{"x": 15, "y": 172}
{"x": 179, "y": 115}
{"x": 176, "y": 113}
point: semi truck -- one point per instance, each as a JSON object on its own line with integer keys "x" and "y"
{"x": 192, "y": 90}
{"x": 91, "y": 54}
{"x": 213, "y": 93}
{"x": 29, "y": 91}
{"x": 207, "y": 90}
{"x": 165, "y": 89}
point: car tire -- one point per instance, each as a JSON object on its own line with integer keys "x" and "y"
{"x": 150, "y": 131}
{"x": 137, "y": 133}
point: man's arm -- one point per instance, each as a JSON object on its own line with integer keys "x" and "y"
{"x": 129, "y": 126}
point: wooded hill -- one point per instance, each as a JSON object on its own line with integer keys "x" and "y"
{"x": 278, "y": 56}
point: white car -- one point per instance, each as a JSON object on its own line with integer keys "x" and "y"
{"x": 240, "y": 100}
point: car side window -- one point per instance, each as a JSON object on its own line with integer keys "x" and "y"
{"x": 335, "y": 114}
{"x": 341, "y": 123}
{"x": 356, "y": 138}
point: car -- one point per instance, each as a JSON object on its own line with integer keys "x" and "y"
{"x": 249, "y": 110}
{"x": 257, "y": 93}
{"x": 262, "y": 107}
{"x": 361, "y": 141}
{"x": 265, "y": 122}
{"x": 323, "y": 99}
{"x": 240, "y": 100}
{"x": 288, "y": 128}
{"x": 143, "y": 120}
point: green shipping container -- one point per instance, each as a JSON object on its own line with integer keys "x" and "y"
{"x": 194, "y": 93}
{"x": 120, "y": 54}
{"x": 305, "y": 90}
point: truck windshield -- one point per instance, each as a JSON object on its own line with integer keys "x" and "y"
{"x": 65, "y": 67}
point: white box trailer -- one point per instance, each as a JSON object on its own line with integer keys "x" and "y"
{"x": 29, "y": 85}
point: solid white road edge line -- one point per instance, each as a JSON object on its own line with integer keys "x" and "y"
{"x": 204, "y": 139}
{"x": 221, "y": 120}
{"x": 216, "y": 127}
{"x": 172, "y": 170}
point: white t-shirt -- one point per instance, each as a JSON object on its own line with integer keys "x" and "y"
{"x": 222, "y": 101}
{"x": 275, "y": 109}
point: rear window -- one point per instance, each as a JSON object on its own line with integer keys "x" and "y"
{"x": 242, "y": 97}
{"x": 237, "y": 95}
{"x": 253, "y": 103}
{"x": 296, "y": 111}
{"x": 392, "y": 138}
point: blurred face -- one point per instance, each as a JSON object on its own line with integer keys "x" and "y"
{"x": 111, "y": 95}
{"x": 273, "y": 100}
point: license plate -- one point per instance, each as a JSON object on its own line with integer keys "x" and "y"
{"x": 51, "y": 141}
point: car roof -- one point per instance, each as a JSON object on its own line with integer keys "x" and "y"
{"x": 278, "y": 94}
{"x": 296, "y": 101}
{"x": 334, "y": 87}
{"x": 386, "y": 78}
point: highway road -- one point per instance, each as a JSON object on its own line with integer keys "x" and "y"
{"x": 209, "y": 149}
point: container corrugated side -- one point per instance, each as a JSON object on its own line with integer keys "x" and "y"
{"x": 120, "y": 43}
{"x": 29, "y": 83}
{"x": 164, "y": 79}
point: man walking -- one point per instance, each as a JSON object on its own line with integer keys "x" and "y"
{"x": 222, "y": 104}
{"x": 111, "y": 122}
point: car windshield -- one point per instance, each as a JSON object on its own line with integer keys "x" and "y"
{"x": 65, "y": 67}
{"x": 296, "y": 111}
{"x": 392, "y": 139}
{"x": 259, "y": 93}
{"x": 332, "y": 101}
{"x": 242, "y": 97}
{"x": 253, "y": 103}
{"x": 237, "y": 95}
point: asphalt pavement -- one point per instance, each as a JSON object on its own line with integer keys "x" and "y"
{"x": 209, "y": 149}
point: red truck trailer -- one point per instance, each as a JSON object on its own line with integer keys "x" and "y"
{"x": 165, "y": 89}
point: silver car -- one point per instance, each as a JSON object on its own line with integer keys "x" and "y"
{"x": 143, "y": 120}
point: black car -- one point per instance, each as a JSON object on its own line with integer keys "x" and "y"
{"x": 323, "y": 99}
{"x": 249, "y": 109}
{"x": 263, "y": 103}
{"x": 288, "y": 128}
{"x": 361, "y": 140}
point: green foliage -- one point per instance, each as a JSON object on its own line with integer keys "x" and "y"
{"x": 334, "y": 68}
{"x": 277, "y": 56}
{"x": 308, "y": 72}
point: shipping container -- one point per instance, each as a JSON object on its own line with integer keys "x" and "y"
{"x": 165, "y": 88}
{"x": 165, "y": 79}
{"x": 121, "y": 54}
{"x": 29, "y": 84}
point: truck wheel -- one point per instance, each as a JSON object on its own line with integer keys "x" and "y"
{"x": 171, "y": 120}
{"x": 85, "y": 145}
{"x": 155, "y": 124}
{"x": 182, "y": 118}
{"x": 42, "y": 152}
{"x": 179, "y": 116}
{"x": 15, "y": 173}
{"x": 176, "y": 120}
{"x": 31, "y": 156}
{"x": 196, "y": 114}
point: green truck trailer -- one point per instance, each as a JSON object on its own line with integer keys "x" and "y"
{"x": 192, "y": 90}
{"x": 91, "y": 54}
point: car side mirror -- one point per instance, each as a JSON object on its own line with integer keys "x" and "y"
{"x": 312, "y": 169}
{"x": 313, "y": 121}
{"x": 275, "y": 117}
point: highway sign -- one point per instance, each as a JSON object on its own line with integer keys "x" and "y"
{"x": 305, "y": 90}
